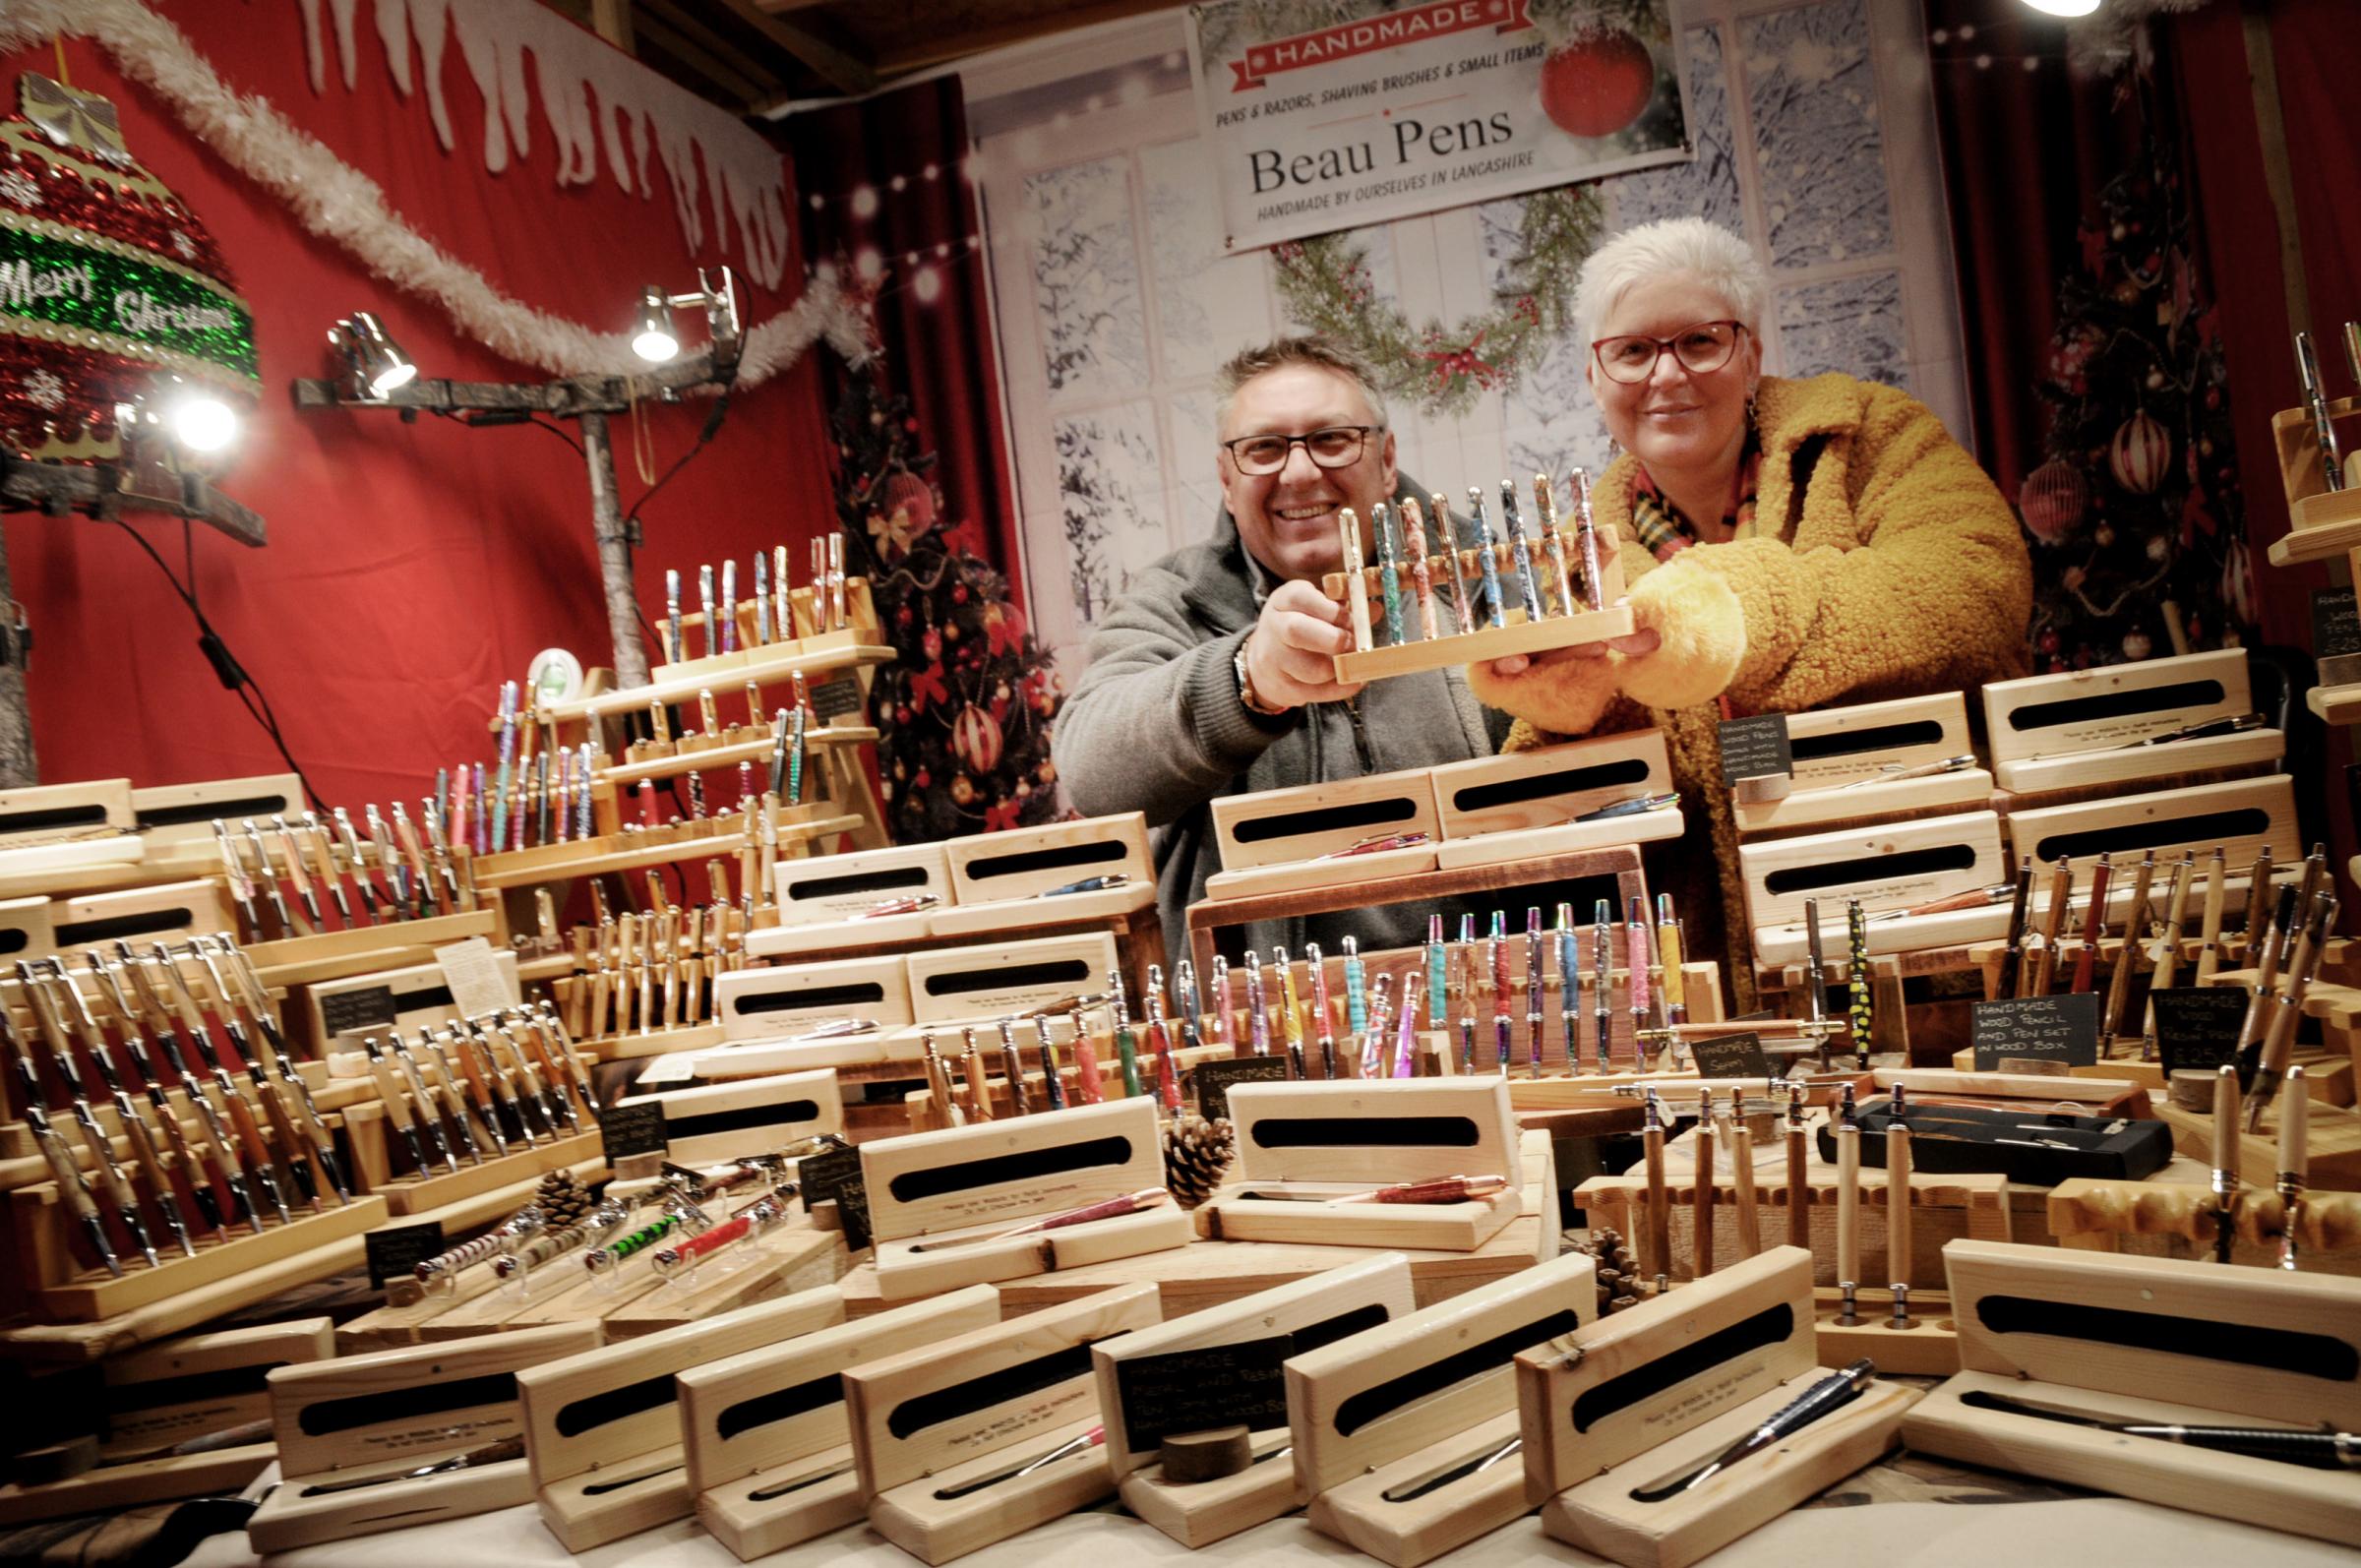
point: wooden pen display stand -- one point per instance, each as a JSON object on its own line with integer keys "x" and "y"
{"x": 802, "y": 638}
{"x": 735, "y": 1121}
{"x": 375, "y": 1417}
{"x": 937, "y": 1199}
{"x": 366, "y": 949}
{"x": 1647, "y": 1394}
{"x": 2334, "y": 1138}
{"x": 2080, "y": 730}
{"x": 602, "y": 1429}
{"x": 1843, "y": 756}
{"x": 2241, "y": 817}
{"x": 1523, "y": 804}
{"x": 1277, "y": 841}
{"x": 2156, "y": 1341}
{"x": 1221, "y": 1368}
{"x": 766, "y": 1442}
{"x": 1303, "y": 1145}
{"x": 1381, "y": 1419}
{"x": 176, "y": 1391}
{"x": 1887, "y": 867}
{"x": 1518, "y": 635}
{"x": 2097, "y": 1216}
{"x": 954, "y": 1441}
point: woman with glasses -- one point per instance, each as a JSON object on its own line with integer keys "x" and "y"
{"x": 1790, "y": 544}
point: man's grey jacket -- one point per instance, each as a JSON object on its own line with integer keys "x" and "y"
{"x": 1155, "y": 725}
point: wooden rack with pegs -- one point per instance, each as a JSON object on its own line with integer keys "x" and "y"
{"x": 2097, "y": 1216}
{"x": 804, "y": 637}
{"x": 981, "y": 1436}
{"x": 1518, "y": 634}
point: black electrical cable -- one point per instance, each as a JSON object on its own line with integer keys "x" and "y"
{"x": 232, "y": 674}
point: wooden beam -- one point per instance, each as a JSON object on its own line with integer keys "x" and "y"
{"x": 729, "y": 51}
{"x": 936, "y": 48}
{"x": 611, "y": 20}
{"x": 723, "y": 75}
{"x": 841, "y": 71}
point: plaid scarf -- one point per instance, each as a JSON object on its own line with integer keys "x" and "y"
{"x": 1664, "y": 532}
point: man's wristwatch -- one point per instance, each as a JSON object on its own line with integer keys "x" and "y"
{"x": 1245, "y": 687}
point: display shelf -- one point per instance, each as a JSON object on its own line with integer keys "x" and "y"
{"x": 365, "y": 950}
{"x": 704, "y": 759}
{"x": 2323, "y": 542}
{"x": 776, "y": 667}
{"x": 496, "y": 872}
{"x": 2335, "y": 704}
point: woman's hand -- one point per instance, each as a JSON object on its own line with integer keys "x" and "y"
{"x": 1644, "y": 640}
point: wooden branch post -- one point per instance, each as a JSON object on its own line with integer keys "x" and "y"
{"x": 608, "y": 527}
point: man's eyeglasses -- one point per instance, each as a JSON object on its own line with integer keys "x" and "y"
{"x": 1335, "y": 446}
{"x": 1702, "y": 348}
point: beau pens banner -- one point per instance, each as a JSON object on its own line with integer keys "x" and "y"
{"x": 1334, "y": 114}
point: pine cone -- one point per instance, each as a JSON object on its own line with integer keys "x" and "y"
{"x": 1618, "y": 1270}
{"x": 562, "y": 1199}
{"x": 1197, "y": 1155}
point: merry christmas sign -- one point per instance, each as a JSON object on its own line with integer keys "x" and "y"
{"x": 1331, "y": 114}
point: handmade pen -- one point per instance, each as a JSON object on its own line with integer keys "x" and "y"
{"x": 1668, "y": 947}
{"x": 1371, "y": 1045}
{"x": 1012, "y": 1069}
{"x": 1535, "y": 985}
{"x": 397, "y": 1057}
{"x": 233, "y": 870}
{"x": 1738, "y": 1138}
{"x": 1258, "y": 1018}
{"x": 1495, "y": 608}
{"x": 1356, "y": 587}
{"x": 1184, "y": 998}
{"x": 1088, "y": 1090}
{"x": 762, "y": 632}
{"x": 1103, "y": 1209}
{"x": 2225, "y": 1160}
{"x": 674, "y": 651}
{"x": 1603, "y": 982}
{"x": 350, "y": 838}
{"x": 1586, "y": 538}
{"x": 1224, "y": 1016}
{"x": 1830, "y": 1393}
{"x": 111, "y": 1177}
{"x": 1160, "y": 1041}
{"x": 269, "y": 881}
{"x": 2311, "y": 1447}
{"x": 2119, "y": 984}
{"x": 1520, "y": 550}
{"x": 1323, "y": 1019}
{"x": 1638, "y": 966}
{"x": 2324, "y": 428}
{"x": 1421, "y": 572}
{"x": 1702, "y": 1190}
{"x": 2094, "y": 924}
{"x": 507, "y": 759}
{"x": 1570, "y": 984}
{"x": 1800, "y": 1180}
{"x": 1497, "y": 950}
{"x": 1357, "y": 1000}
{"x": 1053, "y": 1077}
{"x": 1463, "y": 613}
{"x": 2295, "y": 1112}
{"x": 1897, "y": 773}
{"x": 1863, "y": 1018}
{"x": 1406, "y": 1032}
{"x": 146, "y": 1151}
{"x": 2208, "y": 925}
{"x": 1634, "y": 807}
{"x": 977, "y": 1074}
{"x": 1973, "y": 898}
{"x": 782, "y": 608}
{"x": 195, "y": 1160}
{"x": 1553, "y": 546}
{"x": 2012, "y": 957}
{"x": 73, "y": 1188}
{"x": 1848, "y": 1208}
{"x": 1435, "y": 1190}
{"x": 214, "y": 1116}
{"x": 2039, "y": 975}
{"x": 1438, "y": 967}
{"x": 2279, "y": 1040}
{"x": 1898, "y": 1204}
{"x": 1126, "y": 1049}
{"x": 729, "y": 610}
{"x": 2167, "y": 950}
{"x": 1389, "y": 574}
{"x": 840, "y": 612}
{"x": 2257, "y": 893}
{"x": 1658, "y": 1262}
{"x": 705, "y": 599}
{"x": 1290, "y": 1016}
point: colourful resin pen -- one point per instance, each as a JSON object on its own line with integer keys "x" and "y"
{"x": 1087, "y": 1088}
{"x": 674, "y": 650}
{"x": 1495, "y": 609}
{"x": 1438, "y": 965}
{"x": 729, "y": 607}
{"x": 1224, "y": 1013}
{"x": 1258, "y": 1021}
{"x": 1389, "y": 574}
{"x": 1372, "y": 1038}
{"x": 1533, "y": 979}
{"x": 1667, "y": 945}
{"x": 1569, "y": 983}
{"x": 1461, "y": 612}
{"x": 1184, "y": 996}
{"x": 1052, "y": 1085}
{"x": 1519, "y": 552}
{"x": 1503, "y": 1029}
{"x": 1320, "y": 1009}
{"x": 1602, "y": 974}
{"x": 1126, "y": 1049}
{"x": 1405, "y": 1034}
{"x": 1356, "y": 587}
{"x": 1553, "y": 545}
{"x": 1422, "y": 575}
{"x": 1586, "y": 538}
{"x": 1291, "y": 1017}
{"x": 1857, "y": 971}
{"x": 1635, "y": 934}
{"x": 1160, "y": 1041}
{"x": 1357, "y": 1001}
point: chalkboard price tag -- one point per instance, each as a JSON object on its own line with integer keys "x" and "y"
{"x": 1756, "y": 748}
{"x": 2197, "y": 1026}
{"x": 2335, "y": 625}
{"x": 831, "y": 698}
{"x": 1193, "y": 1391}
{"x": 370, "y": 1007}
{"x": 625, "y": 1130}
{"x": 396, "y": 1250}
{"x": 1731, "y": 1056}
{"x": 837, "y": 1175}
{"x": 1214, "y": 1080}
{"x": 2061, "y": 1029}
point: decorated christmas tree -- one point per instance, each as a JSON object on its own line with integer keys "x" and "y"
{"x": 963, "y": 713}
{"x": 2136, "y": 520}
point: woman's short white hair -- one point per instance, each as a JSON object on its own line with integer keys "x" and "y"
{"x": 1707, "y": 252}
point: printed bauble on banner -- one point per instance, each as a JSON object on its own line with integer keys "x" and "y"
{"x": 2140, "y": 454}
{"x": 110, "y": 288}
{"x": 1597, "y": 82}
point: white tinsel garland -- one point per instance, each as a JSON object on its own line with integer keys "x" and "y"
{"x": 337, "y": 202}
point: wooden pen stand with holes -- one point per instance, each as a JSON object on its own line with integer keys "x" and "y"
{"x": 2091, "y": 1214}
{"x": 1518, "y": 635}
{"x": 803, "y": 638}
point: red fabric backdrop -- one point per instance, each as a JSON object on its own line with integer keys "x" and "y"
{"x": 411, "y": 567}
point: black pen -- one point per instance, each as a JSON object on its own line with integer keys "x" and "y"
{"x": 1829, "y": 1393}
{"x": 1630, "y": 808}
{"x": 1088, "y": 885}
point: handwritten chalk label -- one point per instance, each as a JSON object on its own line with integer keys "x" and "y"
{"x": 2335, "y": 624}
{"x": 369, "y": 1007}
{"x": 833, "y": 698}
{"x": 2062, "y": 1029}
{"x": 838, "y": 1177}
{"x": 2197, "y": 1026}
{"x": 1756, "y": 748}
{"x": 1731, "y": 1056}
{"x": 625, "y": 1130}
{"x": 395, "y": 1251}
{"x": 1192, "y": 1391}
{"x": 1214, "y": 1080}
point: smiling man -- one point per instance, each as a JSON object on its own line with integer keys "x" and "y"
{"x": 1212, "y": 674}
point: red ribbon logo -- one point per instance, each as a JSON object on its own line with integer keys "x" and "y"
{"x": 1392, "y": 31}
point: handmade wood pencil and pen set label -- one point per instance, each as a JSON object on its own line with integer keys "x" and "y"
{"x": 1566, "y": 591}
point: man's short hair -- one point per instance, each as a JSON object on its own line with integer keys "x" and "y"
{"x": 1302, "y": 350}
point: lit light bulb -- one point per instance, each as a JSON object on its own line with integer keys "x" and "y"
{"x": 653, "y": 341}
{"x": 2064, "y": 8}
{"x": 204, "y": 424}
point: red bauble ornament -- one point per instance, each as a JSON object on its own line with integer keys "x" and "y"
{"x": 2052, "y": 500}
{"x": 960, "y": 594}
{"x": 2140, "y": 454}
{"x": 932, "y": 642}
{"x": 1596, "y": 83}
{"x": 963, "y": 790}
{"x": 976, "y": 739}
{"x": 925, "y": 779}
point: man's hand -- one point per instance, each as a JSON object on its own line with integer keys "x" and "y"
{"x": 1291, "y": 652}
{"x": 1644, "y": 640}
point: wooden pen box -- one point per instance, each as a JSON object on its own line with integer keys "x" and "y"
{"x": 174, "y": 813}
{"x": 951, "y": 984}
{"x": 1843, "y": 744}
{"x": 2043, "y": 716}
{"x": 58, "y": 813}
{"x": 1338, "y": 1139}
{"x": 1523, "y": 804}
{"x": 1889, "y": 866}
{"x": 1272, "y": 840}
{"x": 763, "y": 1003}
{"x": 170, "y": 912}
{"x": 833, "y": 888}
{"x": 1646, "y": 1395}
{"x": 930, "y": 1425}
{"x": 2240, "y": 816}
{"x": 1024, "y": 864}
{"x": 929, "y": 1189}
{"x": 761, "y": 1115}
{"x": 1396, "y": 1407}
{"x": 602, "y": 1429}
{"x": 2152, "y": 1340}
{"x": 385, "y": 1413}
{"x": 1223, "y": 1366}
{"x": 769, "y": 1450}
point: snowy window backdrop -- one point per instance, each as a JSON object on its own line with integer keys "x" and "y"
{"x": 1115, "y": 303}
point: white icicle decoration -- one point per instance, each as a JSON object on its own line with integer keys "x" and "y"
{"x": 337, "y": 202}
